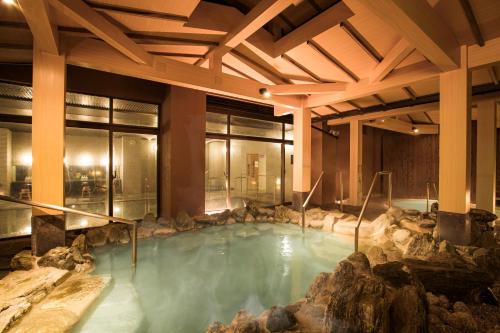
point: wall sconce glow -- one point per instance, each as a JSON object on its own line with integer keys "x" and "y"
{"x": 116, "y": 209}
{"x": 265, "y": 93}
{"x": 84, "y": 223}
{"x": 26, "y": 158}
{"x": 85, "y": 160}
{"x": 104, "y": 161}
{"x": 9, "y": 2}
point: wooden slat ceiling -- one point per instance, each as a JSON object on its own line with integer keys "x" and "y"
{"x": 186, "y": 30}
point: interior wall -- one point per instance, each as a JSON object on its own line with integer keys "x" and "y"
{"x": 323, "y": 159}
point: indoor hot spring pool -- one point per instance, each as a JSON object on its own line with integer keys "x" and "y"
{"x": 185, "y": 282}
{"x": 418, "y": 204}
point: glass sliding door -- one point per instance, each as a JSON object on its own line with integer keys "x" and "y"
{"x": 255, "y": 172}
{"x": 134, "y": 175}
{"x": 215, "y": 175}
{"x": 288, "y": 173}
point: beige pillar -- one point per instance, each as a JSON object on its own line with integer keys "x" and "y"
{"x": 454, "y": 153}
{"x": 301, "y": 156}
{"x": 49, "y": 80}
{"x": 356, "y": 163}
{"x": 486, "y": 155}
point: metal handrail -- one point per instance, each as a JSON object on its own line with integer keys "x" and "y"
{"x": 389, "y": 199}
{"x": 428, "y": 190}
{"x": 79, "y": 212}
{"x": 341, "y": 185}
{"x": 306, "y": 202}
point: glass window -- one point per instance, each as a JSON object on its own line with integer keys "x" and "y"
{"x": 255, "y": 172}
{"x": 216, "y": 123}
{"x": 288, "y": 173}
{"x": 288, "y": 132}
{"x": 215, "y": 175}
{"x": 86, "y": 164}
{"x": 15, "y": 99}
{"x": 87, "y": 108}
{"x": 135, "y": 113}
{"x": 134, "y": 175}
{"x": 254, "y": 127}
{"x": 15, "y": 178}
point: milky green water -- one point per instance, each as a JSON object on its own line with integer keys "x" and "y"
{"x": 185, "y": 282}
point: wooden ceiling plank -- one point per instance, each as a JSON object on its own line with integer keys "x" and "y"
{"x": 493, "y": 74}
{"x": 272, "y": 76}
{"x": 44, "y": 30}
{"x": 393, "y": 58}
{"x": 404, "y": 127}
{"x": 333, "y": 60}
{"x": 303, "y": 89}
{"x": 474, "y": 27}
{"x": 418, "y": 23}
{"x": 87, "y": 17}
{"x": 363, "y": 43}
{"x": 486, "y": 55}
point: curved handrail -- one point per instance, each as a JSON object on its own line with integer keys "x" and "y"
{"x": 306, "y": 202}
{"x": 80, "y": 212}
{"x": 368, "y": 196}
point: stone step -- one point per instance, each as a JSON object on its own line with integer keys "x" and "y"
{"x": 119, "y": 311}
{"x": 62, "y": 308}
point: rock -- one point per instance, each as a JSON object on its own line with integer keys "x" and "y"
{"x": 310, "y": 316}
{"x": 444, "y": 302}
{"x": 230, "y": 221}
{"x": 462, "y": 321}
{"x": 432, "y": 299}
{"x": 217, "y": 327}
{"x": 434, "y": 207}
{"x": 360, "y": 262}
{"x": 482, "y": 216}
{"x": 401, "y": 236}
{"x": 149, "y": 218}
{"x": 96, "y": 237}
{"x": 280, "y": 319}
{"x": 412, "y": 212}
{"x": 243, "y": 322}
{"x": 408, "y": 310}
{"x": 265, "y": 211}
{"x": 206, "y": 219}
{"x": 376, "y": 256}
{"x": 488, "y": 260}
{"x": 396, "y": 273}
{"x": 183, "y": 222}
{"x": 420, "y": 245}
{"x": 321, "y": 288}
{"x": 239, "y": 214}
{"x": 395, "y": 212}
{"x": 124, "y": 236}
{"x": 249, "y": 218}
{"x": 22, "y": 261}
{"x": 80, "y": 242}
{"x": 316, "y": 224}
{"x": 413, "y": 225}
{"x": 164, "y": 231}
{"x": 115, "y": 232}
{"x": 460, "y": 307}
{"x": 146, "y": 230}
{"x": 59, "y": 257}
{"x": 223, "y": 216}
{"x": 166, "y": 222}
{"x": 445, "y": 246}
{"x": 427, "y": 223}
{"x": 487, "y": 240}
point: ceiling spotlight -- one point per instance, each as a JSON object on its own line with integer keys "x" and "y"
{"x": 264, "y": 92}
{"x": 9, "y": 2}
{"x": 415, "y": 130}
{"x": 382, "y": 120}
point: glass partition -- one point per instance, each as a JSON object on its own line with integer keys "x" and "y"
{"x": 15, "y": 99}
{"x": 254, "y": 127}
{"x": 288, "y": 132}
{"x": 134, "y": 175}
{"x": 215, "y": 175}
{"x": 255, "y": 172}
{"x": 216, "y": 123}
{"x": 135, "y": 113}
{"x": 87, "y": 108}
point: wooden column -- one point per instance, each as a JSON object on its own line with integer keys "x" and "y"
{"x": 486, "y": 155}
{"x": 356, "y": 163}
{"x": 454, "y": 153}
{"x": 49, "y": 80}
{"x": 301, "y": 156}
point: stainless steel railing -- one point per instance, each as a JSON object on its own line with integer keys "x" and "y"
{"x": 306, "y": 202}
{"x": 341, "y": 186}
{"x": 428, "y": 190}
{"x": 79, "y": 212}
{"x": 367, "y": 199}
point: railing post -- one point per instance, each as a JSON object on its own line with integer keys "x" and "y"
{"x": 356, "y": 234}
{"x": 428, "y": 190}
{"x": 134, "y": 244}
{"x": 303, "y": 219}
{"x": 389, "y": 192}
{"x": 341, "y": 193}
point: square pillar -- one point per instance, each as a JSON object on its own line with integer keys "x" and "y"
{"x": 454, "y": 153}
{"x": 301, "y": 156}
{"x": 486, "y": 155}
{"x": 49, "y": 86}
{"x": 356, "y": 163}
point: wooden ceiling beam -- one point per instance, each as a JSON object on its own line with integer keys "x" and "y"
{"x": 474, "y": 27}
{"x": 87, "y": 17}
{"x": 267, "y": 71}
{"x": 320, "y": 50}
{"x": 487, "y": 55}
{"x": 43, "y": 28}
{"x": 363, "y": 43}
{"x": 398, "y": 79}
{"x": 418, "y": 23}
{"x": 398, "y": 53}
{"x": 304, "y": 89}
{"x": 403, "y": 127}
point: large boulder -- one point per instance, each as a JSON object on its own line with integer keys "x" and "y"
{"x": 96, "y": 237}
{"x": 280, "y": 319}
{"x": 420, "y": 245}
{"x": 183, "y": 222}
{"x": 23, "y": 261}
{"x": 59, "y": 257}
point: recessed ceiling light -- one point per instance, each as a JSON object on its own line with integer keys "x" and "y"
{"x": 415, "y": 130}
{"x": 265, "y": 93}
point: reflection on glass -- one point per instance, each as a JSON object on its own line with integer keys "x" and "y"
{"x": 15, "y": 99}
{"x": 87, "y": 108}
{"x": 86, "y": 165}
{"x": 288, "y": 173}
{"x": 255, "y": 172}
{"x": 134, "y": 175}
{"x": 15, "y": 178}
{"x": 254, "y": 127}
{"x": 135, "y": 113}
{"x": 288, "y": 132}
{"x": 215, "y": 175}
{"x": 216, "y": 123}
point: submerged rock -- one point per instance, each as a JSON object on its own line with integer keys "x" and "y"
{"x": 22, "y": 261}
{"x": 280, "y": 319}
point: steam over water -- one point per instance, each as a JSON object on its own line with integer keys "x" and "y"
{"x": 185, "y": 282}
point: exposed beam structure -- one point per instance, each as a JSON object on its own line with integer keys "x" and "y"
{"x": 237, "y": 71}
{"x": 399, "y": 78}
{"x": 87, "y": 17}
{"x": 379, "y": 99}
{"x": 96, "y": 54}
{"x": 493, "y": 74}
{"x": 304, "y": 89}
{"x": 301, "y": 67}
{"x": 474, "y": 27}
{"x": 354, "y": 105}
{"x": 404, "y": 127}
{"x": 418, "y": 23}
{"x": 44, "y": 30}
{"x": 486, "y": 55}
{"x": 361, "y": 41}
{"x": 410, "y": 93}
{"x": 267, "y": 71}
{"x": 315, "y": 46}
{"x": 398, "y": 53}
